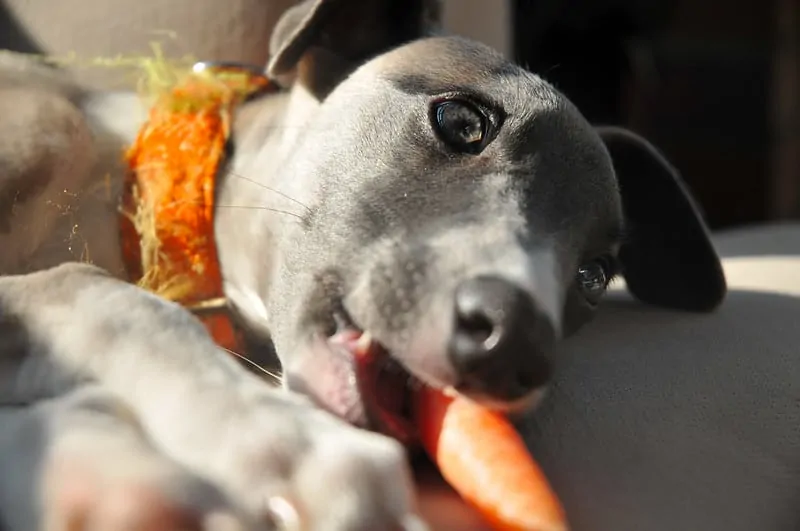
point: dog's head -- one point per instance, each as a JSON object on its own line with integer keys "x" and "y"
{"x": 465, "y": 216}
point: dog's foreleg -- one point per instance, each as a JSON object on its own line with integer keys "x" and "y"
{"x": 195, "y": 402}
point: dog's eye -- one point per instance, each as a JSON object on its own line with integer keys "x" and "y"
{"x": 593, "y": 279}
{"x": 461, "y": 125}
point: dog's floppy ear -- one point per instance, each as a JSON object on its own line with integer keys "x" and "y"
{"x": 295, "y": 32}
{"x": 667, "y": 258}
{"x": 351, "y": 30}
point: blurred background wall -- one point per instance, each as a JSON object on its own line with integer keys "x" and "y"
{"x": 713, "y": 83}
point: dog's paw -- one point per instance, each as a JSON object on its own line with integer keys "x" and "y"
{"x": 306, "y": 469}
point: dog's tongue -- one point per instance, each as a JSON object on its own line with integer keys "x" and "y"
{"x": 383, "y": 384}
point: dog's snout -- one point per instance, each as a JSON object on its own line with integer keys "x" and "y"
{"x": 501, "y": 341}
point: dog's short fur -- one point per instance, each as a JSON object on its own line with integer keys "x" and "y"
{"x": 424, "y": 190}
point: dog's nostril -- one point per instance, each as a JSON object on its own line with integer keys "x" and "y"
{"x": 525, "y": 380}
{"x": 501, "y": 341}
{"x": 477, "y": 326}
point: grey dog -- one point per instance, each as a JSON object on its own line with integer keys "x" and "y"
{"x": 450, "y": 209}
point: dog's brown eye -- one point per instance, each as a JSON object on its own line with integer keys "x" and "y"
{"x": 461, "y": 125}
{"x": 593, "y": 279}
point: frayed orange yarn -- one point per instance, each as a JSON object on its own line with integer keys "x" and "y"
{"x": 167, "y": 223}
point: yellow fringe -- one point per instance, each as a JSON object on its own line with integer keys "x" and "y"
{"x": 153, "y": 75}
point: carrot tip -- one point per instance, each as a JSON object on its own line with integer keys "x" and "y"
{"x": 484, "y": 459}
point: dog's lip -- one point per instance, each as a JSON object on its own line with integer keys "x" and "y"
{"x": 327, "y": 375}
{"x": 382, "y": 385}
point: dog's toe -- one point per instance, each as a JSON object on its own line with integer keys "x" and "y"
{"x": 144, "y": 507}
{"x": 87, "y": 495}
{"x": 126, "y": 506}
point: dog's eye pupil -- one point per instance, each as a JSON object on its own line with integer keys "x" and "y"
{"x": 593, "y": 280}
{"x": 461, "y": 126}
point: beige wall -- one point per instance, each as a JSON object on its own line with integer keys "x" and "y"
{"x": 231, "y": 29}
{"x": 488, "y": 21}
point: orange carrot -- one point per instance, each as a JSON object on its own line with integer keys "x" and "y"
{"x": 480, "y": 454}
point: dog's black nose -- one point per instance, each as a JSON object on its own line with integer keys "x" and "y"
{"x": 501, "y": 341}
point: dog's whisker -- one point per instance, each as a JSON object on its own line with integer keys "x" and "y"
{"x": 551, "y": 68}
{"x": 269, "y": 188}
{"x": 276, "y": 377}
{"x": 246, "y": 207}
{"x": 256, "y": 207}
{"x": 283, "y": 127}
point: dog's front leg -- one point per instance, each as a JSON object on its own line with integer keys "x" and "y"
{"x": 269, "y": 449}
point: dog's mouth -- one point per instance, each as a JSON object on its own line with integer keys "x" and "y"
{"x": 383, "y": 385}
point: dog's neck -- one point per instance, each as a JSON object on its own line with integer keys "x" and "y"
{"x": 169, "y": 198}
{"x": 266, "y": 130}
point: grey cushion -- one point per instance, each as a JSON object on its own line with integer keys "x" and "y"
{"x": 665, "y": 421}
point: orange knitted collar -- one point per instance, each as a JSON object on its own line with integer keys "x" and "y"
{"x": 167, "y": 214}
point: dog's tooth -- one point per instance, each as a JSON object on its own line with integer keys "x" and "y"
{"x": 284, "y": 514}
{"x": 414, "y": 523}
{"x": 363, "y": 344}
{"x": 450, "y": 391}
